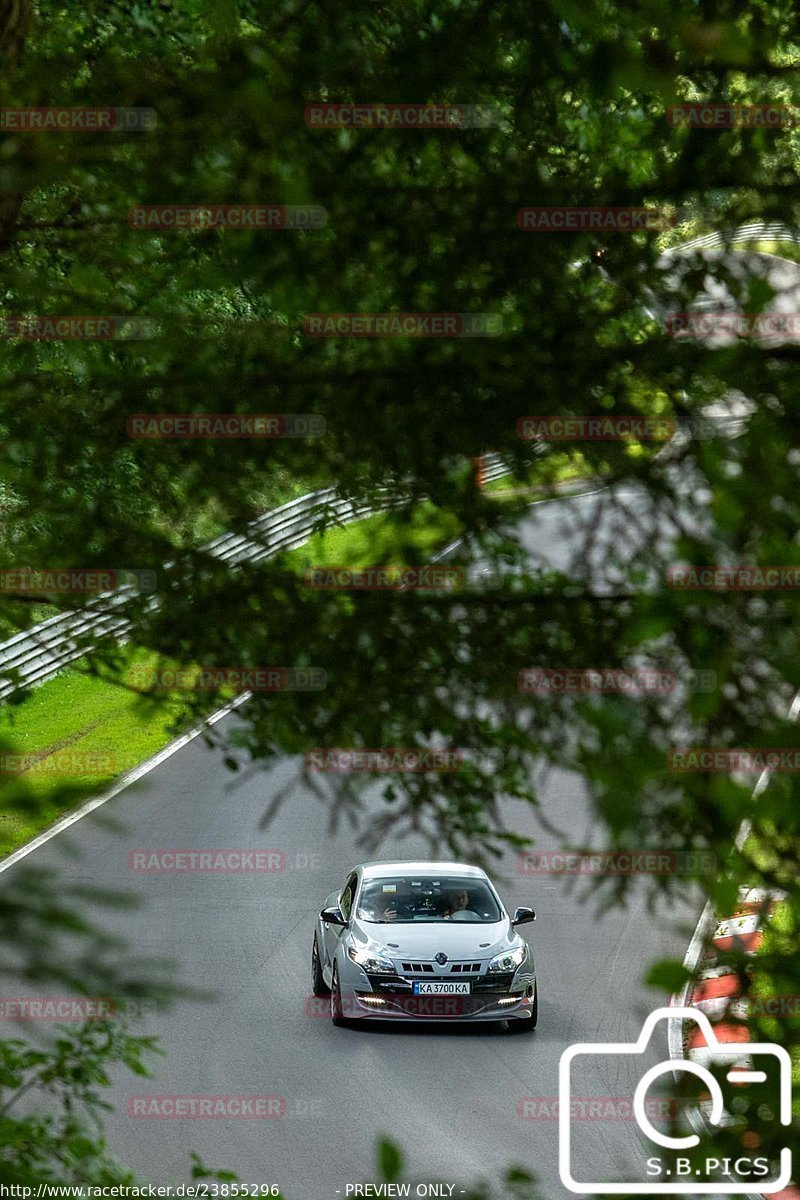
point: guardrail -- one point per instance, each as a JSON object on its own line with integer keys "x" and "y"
{"x": 756, "y": 231}
{"x": 494, "y": 467}
{"x": 39, "y": 653}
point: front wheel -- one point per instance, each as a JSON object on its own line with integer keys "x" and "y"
{"x": 337, "y": 1012}
{"x": 318, "y": 984}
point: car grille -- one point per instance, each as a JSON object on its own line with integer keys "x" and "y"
{"x": 420, "y": 968}
{"x": 480, "y": 983}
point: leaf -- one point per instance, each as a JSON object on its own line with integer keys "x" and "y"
{"x": 390, "y": 1161}
{"x": 667, "y": 976}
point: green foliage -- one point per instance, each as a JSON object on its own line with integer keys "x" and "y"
{"x": 515, "y": 1183}
{"x": 418, "y": 221}
{"x": 64, "y": 1143}
{"x": 390, "y": 1160}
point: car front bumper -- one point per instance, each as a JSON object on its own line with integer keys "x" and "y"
{"x": 389, "y": 1004}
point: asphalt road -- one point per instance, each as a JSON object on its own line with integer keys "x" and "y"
{"x": 455, "y": 1096}
{"x": 715, "y": 297}
{"x": 465, "y": 1102}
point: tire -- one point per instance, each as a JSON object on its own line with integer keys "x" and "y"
{"x": 318, "y": 984}
{"x": 527, "y": 1026}
{"x": 337, "y": 1013}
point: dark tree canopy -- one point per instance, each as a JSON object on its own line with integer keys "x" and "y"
{"x": 419, "y": 221}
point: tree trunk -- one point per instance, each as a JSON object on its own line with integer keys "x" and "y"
{"x": 14, "y": 20}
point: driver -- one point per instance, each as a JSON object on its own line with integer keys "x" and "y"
{"x": 457, "y": 901}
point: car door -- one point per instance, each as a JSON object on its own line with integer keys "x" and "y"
{"x": 345, "y": 902}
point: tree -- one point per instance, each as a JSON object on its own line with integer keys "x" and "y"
{"x": 419, "y": 221}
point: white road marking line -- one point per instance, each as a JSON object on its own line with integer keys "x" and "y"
{"x": 124, "y": 782}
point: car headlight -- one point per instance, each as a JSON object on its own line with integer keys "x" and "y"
{"x": 509, "y": 960}
{"x": 375, "y": 964}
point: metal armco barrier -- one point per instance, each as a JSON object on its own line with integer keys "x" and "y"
{"x": 756, "y": 231}
{"x": 42, "y": 651}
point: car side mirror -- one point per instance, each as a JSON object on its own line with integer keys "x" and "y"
{"x": 522, "y": 916}
{"x": 332, "y": 916}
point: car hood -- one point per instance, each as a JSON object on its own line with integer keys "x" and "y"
{"x": 456, "y": 940}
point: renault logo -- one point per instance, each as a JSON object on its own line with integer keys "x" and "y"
{"x": 441, "y": 958}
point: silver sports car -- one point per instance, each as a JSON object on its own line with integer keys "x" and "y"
{"x": 406, "y": 941}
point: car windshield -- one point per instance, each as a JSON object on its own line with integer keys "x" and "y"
{"x": 406, "y": 899}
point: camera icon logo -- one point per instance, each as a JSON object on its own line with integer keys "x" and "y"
{"x": 740, "y": 1064}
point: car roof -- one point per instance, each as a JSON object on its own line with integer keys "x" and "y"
{"x": 377, "y": 870}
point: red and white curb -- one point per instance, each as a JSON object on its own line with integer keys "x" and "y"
{"x": 714, "y": 988}
{"x": 711, "y": 937}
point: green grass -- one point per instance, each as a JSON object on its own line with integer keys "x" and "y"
{"x": 783, "y": 249}
{"x": 386, "y": 538}
{"x": 689, "y": 230}
{"x": 543, "y": 475}
{"x": 81, "y": 714}
{"x": 73, "y": 714}
{"x": 790, "y": 250}
{"x": 77, "y": 712}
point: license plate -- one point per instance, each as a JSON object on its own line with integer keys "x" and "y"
{"x": 440, "y": 987}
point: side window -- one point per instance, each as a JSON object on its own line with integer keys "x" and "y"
{"x": 346, "y": 900}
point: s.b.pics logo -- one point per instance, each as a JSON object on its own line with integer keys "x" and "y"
{"x": 743, "y": 1085}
